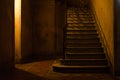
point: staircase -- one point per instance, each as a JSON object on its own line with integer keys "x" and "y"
{"x": 83, "y": 49}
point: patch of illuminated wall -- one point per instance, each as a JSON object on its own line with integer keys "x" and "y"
{"x": 17, "y": 17}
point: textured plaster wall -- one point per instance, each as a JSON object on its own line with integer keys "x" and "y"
{"x": 6, "y": 35}
{"x": 43, "y": 26}
{"x": 104, "y": 12}
{"x": 26, "y": 30}
{"x": 59, "y": 25}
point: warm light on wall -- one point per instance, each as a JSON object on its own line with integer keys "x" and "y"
{"x": 17, "y": 10}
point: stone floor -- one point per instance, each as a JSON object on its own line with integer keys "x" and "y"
{"x": 42, "y": 70}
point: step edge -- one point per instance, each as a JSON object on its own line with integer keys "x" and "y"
{"x": 67, "y": 66}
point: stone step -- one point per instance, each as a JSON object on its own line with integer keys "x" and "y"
{"x": 80, "y": 18}
{"x": 85, "y": 16}
{"x": 84, "y": 55}
{"x": 84, "y": 49}
{"x": 76, "y": 15}
{"x": 76, "y": 8}
{"x": 80, "y": 21}
{"x": 83, "y": 40}
{"x": 69, "y": 18}
{"x": 81, "y": 33}
{"x": 79, "y": 42}
{"x": 85, "y": 31}
{"x": 87, "y": 13}
{"x": 79, "y": 15}
{"x": 57, "y": 67}
{"x": 81, "y": 27}
{"x": 86, "y": 19}
{"x": 81, "y": 36}
{"x": 83, "y": 44}
{"x": 83, "y": 62}
{"x": 81, "y": 24}
{"x": 77, "y": 12}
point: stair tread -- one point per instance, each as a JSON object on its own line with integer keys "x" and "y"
{"x": 85, "y": 56}
{"x": 70, "y": 12}
{"x": 69, "y": 38}
{"x": 84, "y": 42}
{"x": 81, "y": 32}
{"x": 81, "y": 36}
{"x": 104, "y": 59}
{"x": 75, "y": 15}
{"x": 76, "y": 66}
{"x": 81, "y": 17}
{"x": 83, "y": 47}
{"x": 84, "y": 33}
{"x": 82, "y": 53}
{"x": 81, "y": 25}
{"x": 78, "y": 22}
{"x": 94, "y": 33}
{"x": 81, "y": 29}
{"x": 82, "y": 22}
{"x": 67, "y": 52}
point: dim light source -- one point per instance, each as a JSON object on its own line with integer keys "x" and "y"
{"x": 17, "y": 9}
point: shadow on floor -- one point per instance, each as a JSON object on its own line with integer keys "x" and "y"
{"x": 20, "y": 75}
{"x": 40, "y": 58}
{"x": 23, "y": 75}
{"x": 42, "y": 70}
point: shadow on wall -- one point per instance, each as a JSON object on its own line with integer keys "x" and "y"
{"x": 43, "y": 22}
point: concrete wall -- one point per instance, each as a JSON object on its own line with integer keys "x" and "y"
{"x": 6, "y": 35}
{"x": 59, "y": 26}
{"x": 104, "y": 12}
{"x": 26, "y": 30}
{"x": 117, "y": 37}
{"x": 43, "y": 26}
